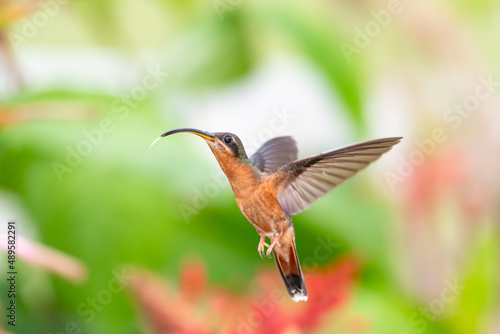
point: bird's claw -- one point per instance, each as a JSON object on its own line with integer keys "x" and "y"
{"x": 270, "y": 248}
{"x": 262, "y": 250}
{"x": 262, "y": 243}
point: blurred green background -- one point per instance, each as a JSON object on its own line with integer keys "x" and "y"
{"x": 86, "y": 86}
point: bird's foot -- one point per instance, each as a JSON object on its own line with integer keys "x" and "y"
{"x": 275, "y": 242}
{"x": 262, "y": 243}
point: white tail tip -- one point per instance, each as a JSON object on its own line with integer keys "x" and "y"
{"x": 299, "y": 298}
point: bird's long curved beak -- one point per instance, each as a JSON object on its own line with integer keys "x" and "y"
{"x": 203, "y": 134}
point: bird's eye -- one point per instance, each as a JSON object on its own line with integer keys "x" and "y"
{"x": 227, "y": 139}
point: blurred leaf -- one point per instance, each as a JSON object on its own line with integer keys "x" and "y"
{"x": 320, "y": 44}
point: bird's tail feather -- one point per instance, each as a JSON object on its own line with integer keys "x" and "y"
{"x": 289, "y": 267}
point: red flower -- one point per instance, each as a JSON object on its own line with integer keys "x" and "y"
{"x": 196, "y": 309}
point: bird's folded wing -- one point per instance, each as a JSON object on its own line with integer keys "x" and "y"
{"x": 275, "y": 153}
{"x": 305, "y": 180}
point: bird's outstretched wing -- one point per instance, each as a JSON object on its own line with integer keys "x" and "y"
{"x": 305, "y": 180}
{"x": 275, "y": 153}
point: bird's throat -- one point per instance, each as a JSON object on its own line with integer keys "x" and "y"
{"x": 242, "y": 175}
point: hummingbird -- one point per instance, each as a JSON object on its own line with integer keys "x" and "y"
{"x": 273, "y": 185}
